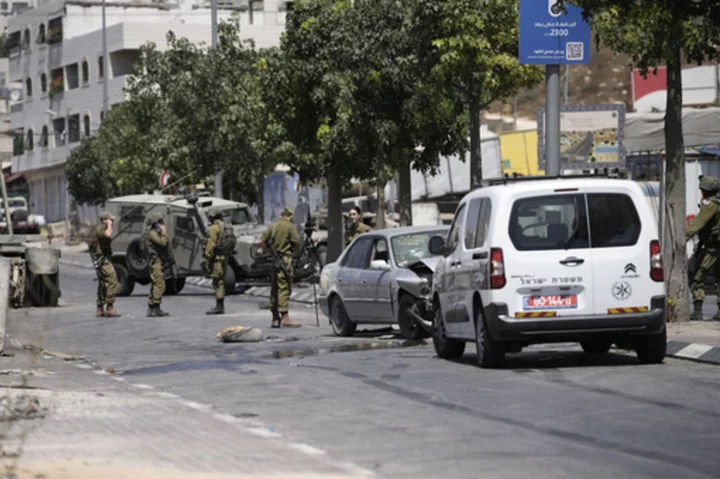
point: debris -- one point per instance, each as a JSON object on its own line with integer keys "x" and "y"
{"x": 240, "y": 334}
{"x": 66, "y": 357}
{"x": 21, "y": 407}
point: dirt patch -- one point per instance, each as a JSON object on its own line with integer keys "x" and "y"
{"x": 79, "y": 469}
{"x": 704, "y": 328}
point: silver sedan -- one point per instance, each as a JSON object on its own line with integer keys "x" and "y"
{"x": 382, "y": 277}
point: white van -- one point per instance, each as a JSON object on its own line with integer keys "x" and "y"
{"x": 538, "y": 260}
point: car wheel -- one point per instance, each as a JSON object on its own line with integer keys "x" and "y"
{"x": 651, "y": 349}
{"x": 339, "y": 319}
{"x": 230, "y": 281}
{"x": 596, "y": 346}
{"x": 446, "y": 348}
{"x": 126, "y": 283}
{"x": 409, "y": 328}
{"x": 174, "y": 286}
{"x": 490, "y": 352}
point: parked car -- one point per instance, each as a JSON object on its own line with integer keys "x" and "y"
{"x": 382, "y": 277}
{"x": 538, "y": 260}
{"x": 23, "y": 221}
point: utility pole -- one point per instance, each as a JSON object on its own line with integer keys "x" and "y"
{"x": 213, "y": 21}
{"x": 105, "y": 62}
{"x": 567, "y": 82}
{"x": 552, "y": 120}
{"x": 67, "y": 191}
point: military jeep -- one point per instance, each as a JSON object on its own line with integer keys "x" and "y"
{"x": 187, "y": 227}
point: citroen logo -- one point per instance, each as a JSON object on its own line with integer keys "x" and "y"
{"x": 630, "y": 268}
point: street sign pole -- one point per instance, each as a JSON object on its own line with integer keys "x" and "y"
{"x": 552, "y": 120}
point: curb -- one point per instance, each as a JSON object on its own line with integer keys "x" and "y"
{"x": 301, "y": 296}
{"x": 701, "y": 353}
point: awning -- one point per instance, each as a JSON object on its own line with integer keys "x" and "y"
{"x": 710, "y": 150}
{"x": 10, "y": 177}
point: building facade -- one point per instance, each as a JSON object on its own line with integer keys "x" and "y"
{"x": 56, "y": 55}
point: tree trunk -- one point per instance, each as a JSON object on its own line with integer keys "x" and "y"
{"x": 261, "y": 198}
{"x": 405, "y": 195}
{"x": 380, "y": 216}
{"x": 336, "y": 230}
{"x": 475, "y": 144}
{"x": 675, "y": 262}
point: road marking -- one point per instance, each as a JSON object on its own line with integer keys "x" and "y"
{"x": 693, "y": 351}
{"x": 142, "y": 386}
{"x": 195, "y": 405}
{"x": 263, "y": 432}
{"x": 306, "y": 448}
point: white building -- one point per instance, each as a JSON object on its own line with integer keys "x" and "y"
{"x": 57, "y": 55}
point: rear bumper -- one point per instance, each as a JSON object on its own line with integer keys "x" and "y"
{"x": 505, "y": 328}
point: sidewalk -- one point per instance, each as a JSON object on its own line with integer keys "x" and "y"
{"x": 70, "y": 421}
{"x": 695, "y": 340}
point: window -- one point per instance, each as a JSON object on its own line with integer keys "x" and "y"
{"x": 549, "y": 223}
{"x": 380, "y": 251}
{"x": 184, "y": 225}
{"x": 411, "y": 248}
{"x": 54, "y": 30}
{"x": 30, "y": 141}
{"x": 74, "y": 128}
{"x": 614, "y": 221}
{"x": 257, "y": 12}
{"x": 59, "y": 131}
{"x": 283, "y": 10}
{"x": 26, "y": 39}
{"x": 357, "y": 256}
{"x": 477, "y": 223}
{"x": 43, "y": 83}
{"x": 72, "y": 76}
{"x": 237, "y": 216}
{"x": 101, "y": 68}
{"x": 28, "y": 88}
{"x": 13, "y": 42}
{"x": 86, "y": 125}
{"x": 41, "y": 33}
{"x": 131, "y": 219}
{"x": 453, "y": 237}
{"x": 44, "y": 137}
{"x": 85, "y": 72}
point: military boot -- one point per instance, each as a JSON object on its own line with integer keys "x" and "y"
{"x": 275, "y": 319}
{"x": 697, "y": 314}
{"x": 151, "y": 311}
{"x": 99, "y": 313}
{"x": 288, "y": 323}
{"x": 110, "y": 312}
{"x": 219, "y": 307}
{"x": 159, "y": 313}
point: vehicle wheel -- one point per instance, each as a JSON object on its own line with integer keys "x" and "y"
{"x": 446, "y": 348}
{"x": 137, "y": 262}
{"x": 490, "y": 352}
{"x": 651, "y": 348}
{"x": 596, "y": 346}
{"x": 322, "y": 255}
{"x": 126, "y": 283}
{"x": 408, "y": 326}
{"x": 230, "y": 281}
{"x": 339, "y": 319}
{"x": 174, "y": 286}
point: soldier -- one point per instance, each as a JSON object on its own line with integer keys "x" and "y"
{"x": 156, "y": 245}
{"x": 707, "y": 226}
{"x": 282, "y": 239}
{"x": 357, "y": 227}
{"x": 215, "y": 261}
{"x": 101, "y": 254}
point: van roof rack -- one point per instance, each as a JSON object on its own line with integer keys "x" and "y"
{"x": 597, "y": 173}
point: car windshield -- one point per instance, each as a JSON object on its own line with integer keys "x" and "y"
{"x": 15, "y": 203}
{"x": 412, "y": 247}
{"x": 237, "y": 216}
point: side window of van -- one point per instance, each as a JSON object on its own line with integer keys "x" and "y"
{"x": 614, "y": 221}
{"x": 453, "y": 237}
{"x": 477, "y": 223}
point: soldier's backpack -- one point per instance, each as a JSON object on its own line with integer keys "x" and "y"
{"x": 227, "y": 240}
{"x": 144, "y": 246}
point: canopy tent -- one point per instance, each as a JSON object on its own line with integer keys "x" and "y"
{"x": 646, "y": 131}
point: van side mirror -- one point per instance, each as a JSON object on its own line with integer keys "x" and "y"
{"x": 437, "y": 246}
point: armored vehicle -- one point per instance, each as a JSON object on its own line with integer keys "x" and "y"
{"x": 187, "y": 226}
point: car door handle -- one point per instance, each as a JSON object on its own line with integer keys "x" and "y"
{"x": 572, "y": 260}
{"x": 480, "y": 255}
{"x": 455, "y": 263}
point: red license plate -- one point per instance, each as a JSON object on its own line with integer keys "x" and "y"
{"x": 550, "y": 302}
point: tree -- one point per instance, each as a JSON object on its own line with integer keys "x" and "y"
{"x": 653, "y": 33}
{"x": 471, "y": 46}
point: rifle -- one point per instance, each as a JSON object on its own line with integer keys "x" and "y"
{"x": 696, "y": 261}
{"x": 277, "y": 261}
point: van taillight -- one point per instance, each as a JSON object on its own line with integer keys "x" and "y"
{"x": 497, "y": 269}
{"x": 656, "y": 268}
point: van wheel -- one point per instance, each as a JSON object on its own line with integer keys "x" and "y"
{"x": 339, "y": 319}
{"x": 651, "y": 349}
{"x": 490, "y": 353}
{"x": 408, "y": 326}
{"x": 446, "y": 348}
{"x": 596, "y": 346}
{"x": 126, "y": 282}
{"x": 230, "y": 281}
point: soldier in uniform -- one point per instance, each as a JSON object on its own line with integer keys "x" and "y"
{"x": 357, "y": 227}
{"x": 707, "y": 226}
{"x": 215, "y": 262}
{"x": 283, "y": 237}
{"x": 101, "y": 253}
{"x": 157, "y": 243}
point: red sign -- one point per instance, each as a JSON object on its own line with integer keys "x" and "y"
{"x": 550, "y": 302}
{"x": 164, "y": 176}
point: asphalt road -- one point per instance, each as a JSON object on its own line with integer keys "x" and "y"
{"x": 402, "y": 412}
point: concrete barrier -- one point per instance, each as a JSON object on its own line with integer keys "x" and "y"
{"x": 4, "y": 298}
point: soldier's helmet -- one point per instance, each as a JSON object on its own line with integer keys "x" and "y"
{"x": 710, "y": 184}
{"x": 153, "y": 218}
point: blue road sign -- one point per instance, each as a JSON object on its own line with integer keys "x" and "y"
{"x": 550, "y": 37}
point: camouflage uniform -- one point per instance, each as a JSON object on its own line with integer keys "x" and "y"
{"x": 283, "y": 237}
{"x": 354, "y": 231}
{"x": 707, "y": 227}
{"x": 157, "y": 243}
{"x": 216, "y": 263}
{"x": 101, "y": 253}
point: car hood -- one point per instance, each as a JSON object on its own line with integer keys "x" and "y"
{"x": 249, "y": 232}
{"x": 431, "y": 262}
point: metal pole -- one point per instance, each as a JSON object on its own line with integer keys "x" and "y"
{"x": 106, "y": 73}
{"x": 213, "y": 23}
{"x": 6, "y": 207}
{"x": 552, "y": 120}
{"x": 67, "y": 193}
{"x": 567, "y": 82}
